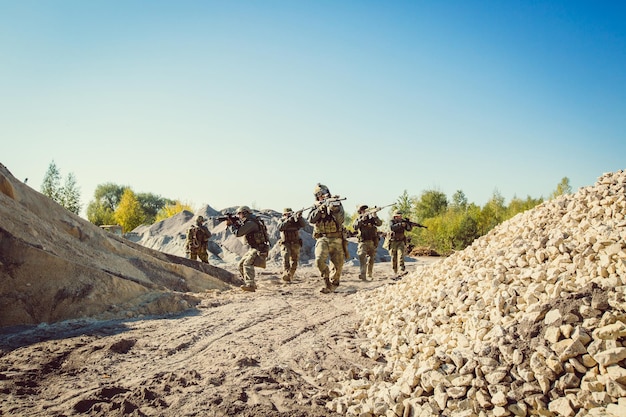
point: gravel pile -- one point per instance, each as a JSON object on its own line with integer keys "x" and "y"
{"x": 528, "y": 320}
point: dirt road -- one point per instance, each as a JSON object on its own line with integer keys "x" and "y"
{"x": 274, "y": 352}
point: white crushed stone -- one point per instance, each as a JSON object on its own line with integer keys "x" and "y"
{"x": 528, "y": 320}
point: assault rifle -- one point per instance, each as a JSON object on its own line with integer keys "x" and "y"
{"x": 327, "y": 202}
{"x": 376, "y": 209}
{"x": 299, "y": 213}
{"x": 413, "y": 223}
{"x": 368, "y": 213}
{"x": 231, "y": 217}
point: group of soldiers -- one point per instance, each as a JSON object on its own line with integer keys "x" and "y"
{"x": 327, "y": 217}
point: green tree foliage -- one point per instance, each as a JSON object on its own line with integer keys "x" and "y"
{"x": 99, "y": 213}
{"x": 70, "y": 194}
{"x": 67, "y": 195}
{"x": 51, "y": 185}
{"x": 518, "y": 205}
{"x": 171, "y": 209}
{"x": 492, "y": 214}
{"x": 454, "y": 226}
{"x": 107, "y": 198}
{"x": 459, "y": 201}
{"x": 404, "y": 204}
{"x": 466, "y": 230}
{"x": 129, "y": 214}
{"x": 562, "y": 188}
{"x": 430, "y": 204}
{"x": 152, "y": 204}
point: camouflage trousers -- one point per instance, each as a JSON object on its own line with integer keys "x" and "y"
{"x": 200, "y": 252}
{"x": 332, "y": 247}
{"x": 397, "y": 249}
{"x": 291, "y": 256}
{"x": 246, "y": 266}
{"x": 366, "y": 252}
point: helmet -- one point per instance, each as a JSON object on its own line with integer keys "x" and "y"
{"x": 320, "y": 189}
{"x": 243, "y": 209}
{"x": 287, "y": 210}
{"x": 397, "y": 213}
{"x": 200, "y": 220}
{"x": 362, "y": 207}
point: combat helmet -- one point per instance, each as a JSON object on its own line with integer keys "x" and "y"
{"x": 362, "y": 207}
{"x": 397, "y": 213}
{"x": 199, "y": 220}
{"x": 320, "y": 189}
{"x": 244, "y": 210}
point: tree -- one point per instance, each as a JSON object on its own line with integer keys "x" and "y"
{"x": 51, "y": 185}
{"x": 106, "y": 199}
{"x": 70, "y": 194}
{"x": 459, "y": 201}
{"x": 518, "y": 205}
{"x": 151, "y": 204}
{"x": 562, "y": 188}
{"x": 466, "y": 232}
{"x": 404, "y": 203}
{"x": 99, "y": 213}
{"x": 67, "y": 195}
{"x": 492, "y": 214}
{"x": 129, "y": 213}
{"x": 108, "y": 196}
{"x": 430, "y": 204}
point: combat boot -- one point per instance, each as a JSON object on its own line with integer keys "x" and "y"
{"x": 248, "y": 288}
{"x": 328, "y": 287}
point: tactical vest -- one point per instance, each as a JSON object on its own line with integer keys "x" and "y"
{"x": 368, "y": 232}
{"x": 259, "y": 239}
{"x": 328, "y": 227}
{"x": 291, "y": 235}
{"x": 398, "y": 234}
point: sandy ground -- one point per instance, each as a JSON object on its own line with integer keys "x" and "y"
{"x": 275, "y": 352}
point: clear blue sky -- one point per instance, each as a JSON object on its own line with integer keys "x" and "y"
{"x": 254, "y": 102}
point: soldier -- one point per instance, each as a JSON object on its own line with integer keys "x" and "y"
{"x": 255, "y": 233}
{"x": 397, "y": 244}
{"x": 289, "y": 227}
{"x": 366, "y": 225}
{"x": 327, "y": 216}
{"x": 197, "y": 241}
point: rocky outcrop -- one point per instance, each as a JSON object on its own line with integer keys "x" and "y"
{"x": 56, "y": 266}
{"x": 528, "y": 320}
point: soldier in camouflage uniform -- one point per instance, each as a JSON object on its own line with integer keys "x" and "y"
{"x": 290, "y": 241}
{"x": 366, "y": 226}
{"x": 397, "y": 244}
{"x": 197, "y": 242}
{"x": 327, "y": 217}
{"x": 250, "y": 227}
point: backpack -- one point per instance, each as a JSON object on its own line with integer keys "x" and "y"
{"x": 197, "y": 236}
{"x": 260, "y": 239}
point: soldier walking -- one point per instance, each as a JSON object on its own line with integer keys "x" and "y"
{"x": 366, "y": 225}
{"x": 327, "y": 218}
{"x": 398, "y": 238}
{"x": 291, "y": 242}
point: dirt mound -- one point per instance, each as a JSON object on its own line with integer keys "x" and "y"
{"x": 56, "y": 266}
